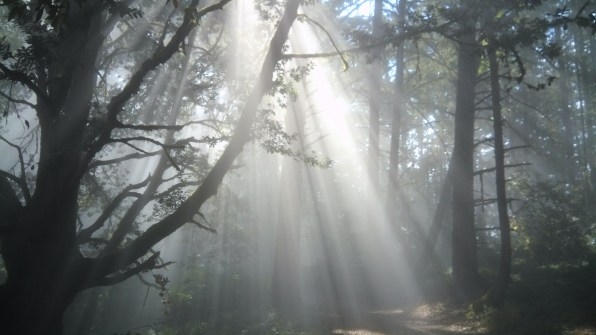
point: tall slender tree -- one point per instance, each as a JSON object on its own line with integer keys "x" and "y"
{"x": 399, "y": 106}
{"x": 497, "y": 293}
{"x": 464, "y": 248}
{"x": 374, "y": 98}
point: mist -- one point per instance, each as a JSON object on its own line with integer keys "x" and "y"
{"x": 297, "y": 167}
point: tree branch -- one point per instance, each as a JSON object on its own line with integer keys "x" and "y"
{"x": 161, "y": 55}
{"x": 22, "y": 181}
{"x": 148, "y": 127}
{"x": 149, "y": 264}
{"x": 184, "y": 213}
{"x": 176, "y": 145}
{"x": 16, "y": 101}
{"x": 136, "y": 155}
{"x": 10, "y": 207}
{"x": 22, "y": 78}
{"x": 320, "y": 26}
{"x": 85, "y": 234}
{"x": 493, "y": 169}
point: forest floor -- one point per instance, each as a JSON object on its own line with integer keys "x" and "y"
{"x": 427, "y": 319}
{"x": 432, "y": 319}
{"x": 552, "y": 299}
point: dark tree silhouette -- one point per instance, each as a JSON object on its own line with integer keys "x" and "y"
{"x": 40, "y": 247}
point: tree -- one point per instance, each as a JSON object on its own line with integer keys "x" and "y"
{"x": 504, "y": 272}
{"x": 41, "y": 241}
{"x": 374, "y": 114}
{"x": 464, "y": 259}
{"x": 399, "y": 106}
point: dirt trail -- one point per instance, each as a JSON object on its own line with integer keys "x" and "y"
{"x": 421, "y": 320}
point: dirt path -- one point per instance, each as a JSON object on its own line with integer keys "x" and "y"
{"x": 421, "y": 320}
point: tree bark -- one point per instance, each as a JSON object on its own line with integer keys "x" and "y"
{"x": 438, "y": 218}
{"x": 497, "y": 292}
{"x": 42, "y": 258}
{"x": 464, "y": 261}
{"x": 374, "y": 99}
{"x": 399, "y": 108}
{"x": 566, "y": 113}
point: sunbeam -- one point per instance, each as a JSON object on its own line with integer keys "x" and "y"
{"x": 297, "y": 167}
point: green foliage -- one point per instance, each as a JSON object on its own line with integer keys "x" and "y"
{"x": 271, "y": 134}
{"x": 275, "y": 140}
{"x": 122, "y": 9}
{"x": 555, "y": 221}
{"x": 544, "y": 300}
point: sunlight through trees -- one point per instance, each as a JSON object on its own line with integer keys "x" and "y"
{"x": 297, "y": 167}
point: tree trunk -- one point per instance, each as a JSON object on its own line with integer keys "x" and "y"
{"x": 42, "y": 257}
{"x": 399, "y": 107}
{"x": 374, "y": 99}
{"x": 126, "y": 224}
{"x": 566, "y": 113}
{"x": 35, "y": 308}
{"x": 439, "y": 216}
{"x": 45, "y": 269}
{"x": 591, "y": 115}
{"x": 465, "y": 267}
{"x": 497, "y": 292}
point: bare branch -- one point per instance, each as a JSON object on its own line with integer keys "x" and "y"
{"x": 146, "y": 283}
{"x": 200, "y": 225}
{"x": 525, "y": 146}
{"x": 126, "y": 141}
{"x": 22, "y": 181}
{"x": 321, "y": 54}
{"x": 16, "y": 101}
{"x": 320, "y": 26}
{"x": 161, "y": 55}
{"x": 136, "y": 155}
{"x": 493, "y": 169}
{"x": 149, "y": 264}
{"x": 148, "y": 127}
{"x": 85, "y": 234}
{"x": 175, "y": 187}
{"x": 181, "y": 144}
{"x": 494, "y": 228}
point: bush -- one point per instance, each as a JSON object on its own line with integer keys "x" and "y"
{"x": 555, "y": 222}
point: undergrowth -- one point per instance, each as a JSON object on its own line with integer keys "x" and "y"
{"x": 542, "y": 300}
